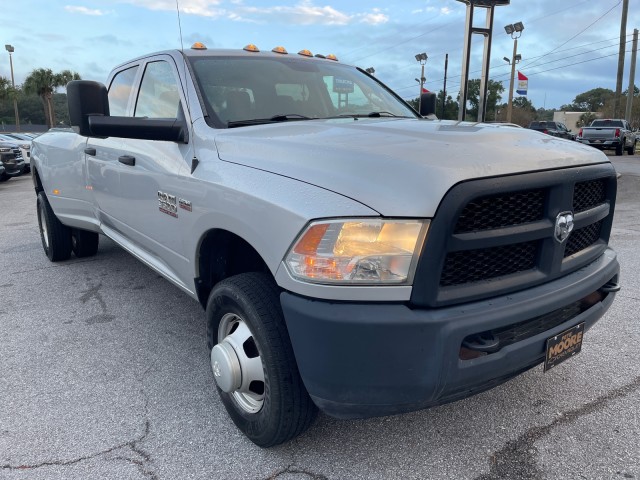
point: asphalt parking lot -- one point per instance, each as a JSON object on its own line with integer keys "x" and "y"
{"x": 104, "y": 374}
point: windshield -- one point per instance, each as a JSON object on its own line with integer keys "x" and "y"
{"x": 241, "y": 91}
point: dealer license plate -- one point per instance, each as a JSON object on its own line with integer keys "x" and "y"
{"x": 563, "y": 346}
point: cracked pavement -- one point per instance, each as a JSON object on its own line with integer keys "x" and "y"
{"x": 104, "y": 373}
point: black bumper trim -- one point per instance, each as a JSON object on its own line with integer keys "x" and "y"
{"x": 360, "y": 360}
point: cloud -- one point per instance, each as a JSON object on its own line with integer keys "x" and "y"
{"x": 85, "y": 10}
{"x": 203, "y": 8}
{"x": 374, "y": 18}
{"x": 306, "y": 13}
{"x": 303, "y": 13}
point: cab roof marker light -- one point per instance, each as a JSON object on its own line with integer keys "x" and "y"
{"x": 305, "y": 53}
{"x": 280, "y": 49}
{"x": 198, "y": 46}
{"x": 331, "y": 56}
{"x": 251, "y": 48}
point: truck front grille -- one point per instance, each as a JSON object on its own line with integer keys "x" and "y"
{"x": 498, "y": 211}
{"x": 482, "y": 264}
{"x": 495, "y": 236}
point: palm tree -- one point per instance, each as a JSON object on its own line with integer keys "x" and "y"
{"x": 43, "y": 82}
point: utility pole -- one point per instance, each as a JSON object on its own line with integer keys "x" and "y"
{"x": 632, "y": 75}
{"x": 621, "y": 52}
{"x": 444, "y": 89}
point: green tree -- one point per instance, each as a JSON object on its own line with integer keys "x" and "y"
{"x": 585, "y": 119}
{"x": 493, "y": 97}
{"x": 450, "y": 107}
{"x": 43, "y": 82}
{"x": 593, "y": 100}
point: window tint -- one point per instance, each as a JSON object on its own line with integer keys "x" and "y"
{"x": 606, "y": 123}
{"x": 158, "y": 96}
{"x": 120, "y": 90}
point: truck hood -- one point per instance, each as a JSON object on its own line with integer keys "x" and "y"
{"x": 398, "y": 167}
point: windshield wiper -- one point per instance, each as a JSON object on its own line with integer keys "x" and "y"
{"x": 287, "y": 117}
{"x": 375, "y": 114}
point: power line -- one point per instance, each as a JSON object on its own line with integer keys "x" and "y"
{"x": 579, "y": 33}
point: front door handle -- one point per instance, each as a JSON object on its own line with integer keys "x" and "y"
{"x": 127, "y": 160}
{"x": 90, "y": 151}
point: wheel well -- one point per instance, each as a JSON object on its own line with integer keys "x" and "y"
{"x": 37, "y": 184}
{"x": 223, "y": 254}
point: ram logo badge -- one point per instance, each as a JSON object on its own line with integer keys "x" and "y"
{"x": 564, "y": 226}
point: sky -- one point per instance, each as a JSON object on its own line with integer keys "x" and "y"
{"x": 567, "y": 46}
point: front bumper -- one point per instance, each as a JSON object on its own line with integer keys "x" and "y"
{"x": 361, "y": 360}
{"x": 13, "y": 167}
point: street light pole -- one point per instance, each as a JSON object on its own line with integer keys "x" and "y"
{"x": 513, "y": 74}
{"x": 515, "y": 30}
{"x": 422, "y": 58}
{"x": 10, "y": 49}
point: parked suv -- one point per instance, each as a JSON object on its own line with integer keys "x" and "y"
{"x": 11, "y": 161}
{"x": 23, "y": 144}
{"x": 555, "y": 129}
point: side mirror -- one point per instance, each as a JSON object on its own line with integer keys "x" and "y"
{"x": 89, "y": 112}
{"x": 86, "y": 98}
{"x": 427, "y": 104}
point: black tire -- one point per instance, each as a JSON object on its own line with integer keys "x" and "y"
{"x": 286, "y": 410}
{"x": 632, "y": 149}
{"x": 84, "y": 243}
{"x": 56, "y": 237}
{"x": 619, "y": 149}
{"x": 4, "y": 177}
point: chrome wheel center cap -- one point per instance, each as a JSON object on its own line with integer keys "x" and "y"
{"x": 226, "y": 367}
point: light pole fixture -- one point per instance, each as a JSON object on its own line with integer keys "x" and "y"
{"x": 422, "y": 58}
{"x": 486, "y": 32}
{"x": 10, "y": 49}
{"x": 515, "y": 31}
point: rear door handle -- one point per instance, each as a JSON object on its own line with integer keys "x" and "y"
{"x": 90, "y": 151}
{"x": 127, "y": 160}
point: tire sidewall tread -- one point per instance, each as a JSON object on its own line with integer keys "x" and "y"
{"x": 287, "y": 410}
{"x": 58, "y": 235}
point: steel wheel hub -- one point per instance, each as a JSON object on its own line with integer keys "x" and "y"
{"x": 236, "y": 364}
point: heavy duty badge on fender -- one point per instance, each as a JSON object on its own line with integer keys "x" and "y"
{"x": 167, "y": 204}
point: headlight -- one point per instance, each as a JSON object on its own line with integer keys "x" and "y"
{"x": 358, "y": 251}
{"x": 5, "y": 150}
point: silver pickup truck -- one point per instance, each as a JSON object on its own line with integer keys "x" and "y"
{"x": 350, "y": 254}
{"x": 609, "y": 134}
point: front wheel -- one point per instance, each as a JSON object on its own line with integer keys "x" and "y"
{"x": 56, "y": 237}
{"x": 632, "y": 149}
{"x": 253, "y": 362}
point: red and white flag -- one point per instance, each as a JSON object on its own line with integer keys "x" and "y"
{"x": 523, "y": 84}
